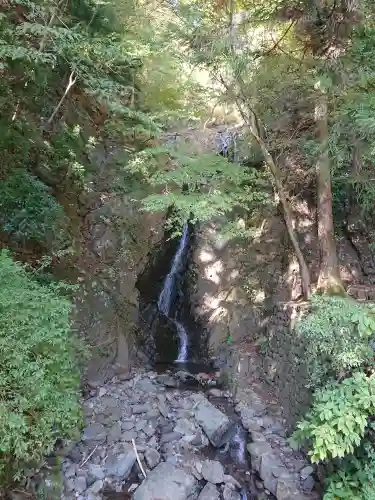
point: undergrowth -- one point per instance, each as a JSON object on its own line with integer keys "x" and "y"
{"x": 338, "y": 335}
{"x": 39, "y": 370}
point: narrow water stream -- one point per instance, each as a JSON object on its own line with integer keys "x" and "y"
{"x": 168, "y": 293}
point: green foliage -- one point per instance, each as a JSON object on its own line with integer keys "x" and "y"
{"x": 29, "y": 212}
{"x": 338, "y": 419}
{"x": 39, "y": 376}
{"x": 355, "y": 479}
{"x": 199, "y": 186}
{"x": 337, "y": 333}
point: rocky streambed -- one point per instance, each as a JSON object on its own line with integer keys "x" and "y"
{"x": 148, "y": 437}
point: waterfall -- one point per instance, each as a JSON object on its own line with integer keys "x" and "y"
{"x": 167, "y": 294}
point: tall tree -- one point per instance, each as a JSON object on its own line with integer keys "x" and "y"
{"x": 326, "y": 27}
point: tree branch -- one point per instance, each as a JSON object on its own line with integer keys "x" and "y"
{"x": 71, "y": 82}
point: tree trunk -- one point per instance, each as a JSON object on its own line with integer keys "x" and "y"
{"x": 253, "y": 126}
{"x": 288, "y": 216}
{"x": 329, "y": 277}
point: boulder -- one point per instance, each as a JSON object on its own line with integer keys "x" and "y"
{"x": 213, "y": 422}
{"x": 121, "y": 465}
{"x": 166, "y": 482}
{"x": 152, "y": 457}
{"x": 213, "y": 472}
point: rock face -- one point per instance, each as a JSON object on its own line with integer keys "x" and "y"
{"x": 166, "y": 482}
{"x": 117, "y": 240}
{"x": 251, "y": 290}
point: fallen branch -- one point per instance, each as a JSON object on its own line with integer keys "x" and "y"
{"x": 89, "y": 456}
{"x": 71, "y": 82}
{"x": 138, "y": 459}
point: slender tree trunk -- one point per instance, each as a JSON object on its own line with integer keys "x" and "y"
{"x": 288, "y": 216}
{"x": 329, "y": 277}
{"x": 253, "y": 126}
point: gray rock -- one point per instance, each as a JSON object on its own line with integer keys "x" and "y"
{"x": 154, "y": 413}
{"x": 257, "y": 449}
{"x": 185, "y": 426}
{"x": 129, "y": 435}
{"x": 96, "y": 487}
{"x": 120, "y": 466}
{"x": 94, "y": 432}
{"x": 209, "y": 492}
{"x": 168, "y": 482}
{"x": 80, "y": 484}
{"x": 306, "y": 472}
{"x": 167, "y": 381}
{"x": 216, "y": 393}
{"x": 167, "y": 428}
{"x": 170, "y": 436}
{"x": 214, "y": 423}
{"x": 150, "y": 429}
{"x": 199, "y": 439}
{"x": 115, "y": 414}
{"x": 308, "y": 484}
{"x": 163, "y": 409}
{"x": 152, "y": 458}
{"x": 213, "y": 471}
{"x": 114, "y": 434}
{"x": 270, "y": 469}
{"x": 228, "y": 479}
{"x": 229, "y": 494}
{"x": 70, "y": 471}
{"x": 140, "y": 425}
{"x": 140, "y": 408}
{"x": 96, "y": 471}
{"x": 109, "y": 402}
{"x": 287, "y": 489}
{"x": 75, "y": 455}
{"x": 69, "y": 485}
{"x": 128, "y": 425}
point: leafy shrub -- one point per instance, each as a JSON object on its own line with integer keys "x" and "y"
{"x": 28, "y": 211}
{"x": 337, "y": 332}
{"x": 338, "y": 419}
{"x": 355, "y": 479}
{"x": 39, "y": 376}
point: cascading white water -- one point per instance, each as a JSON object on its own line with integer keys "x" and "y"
{"x": 167, "y": 293}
